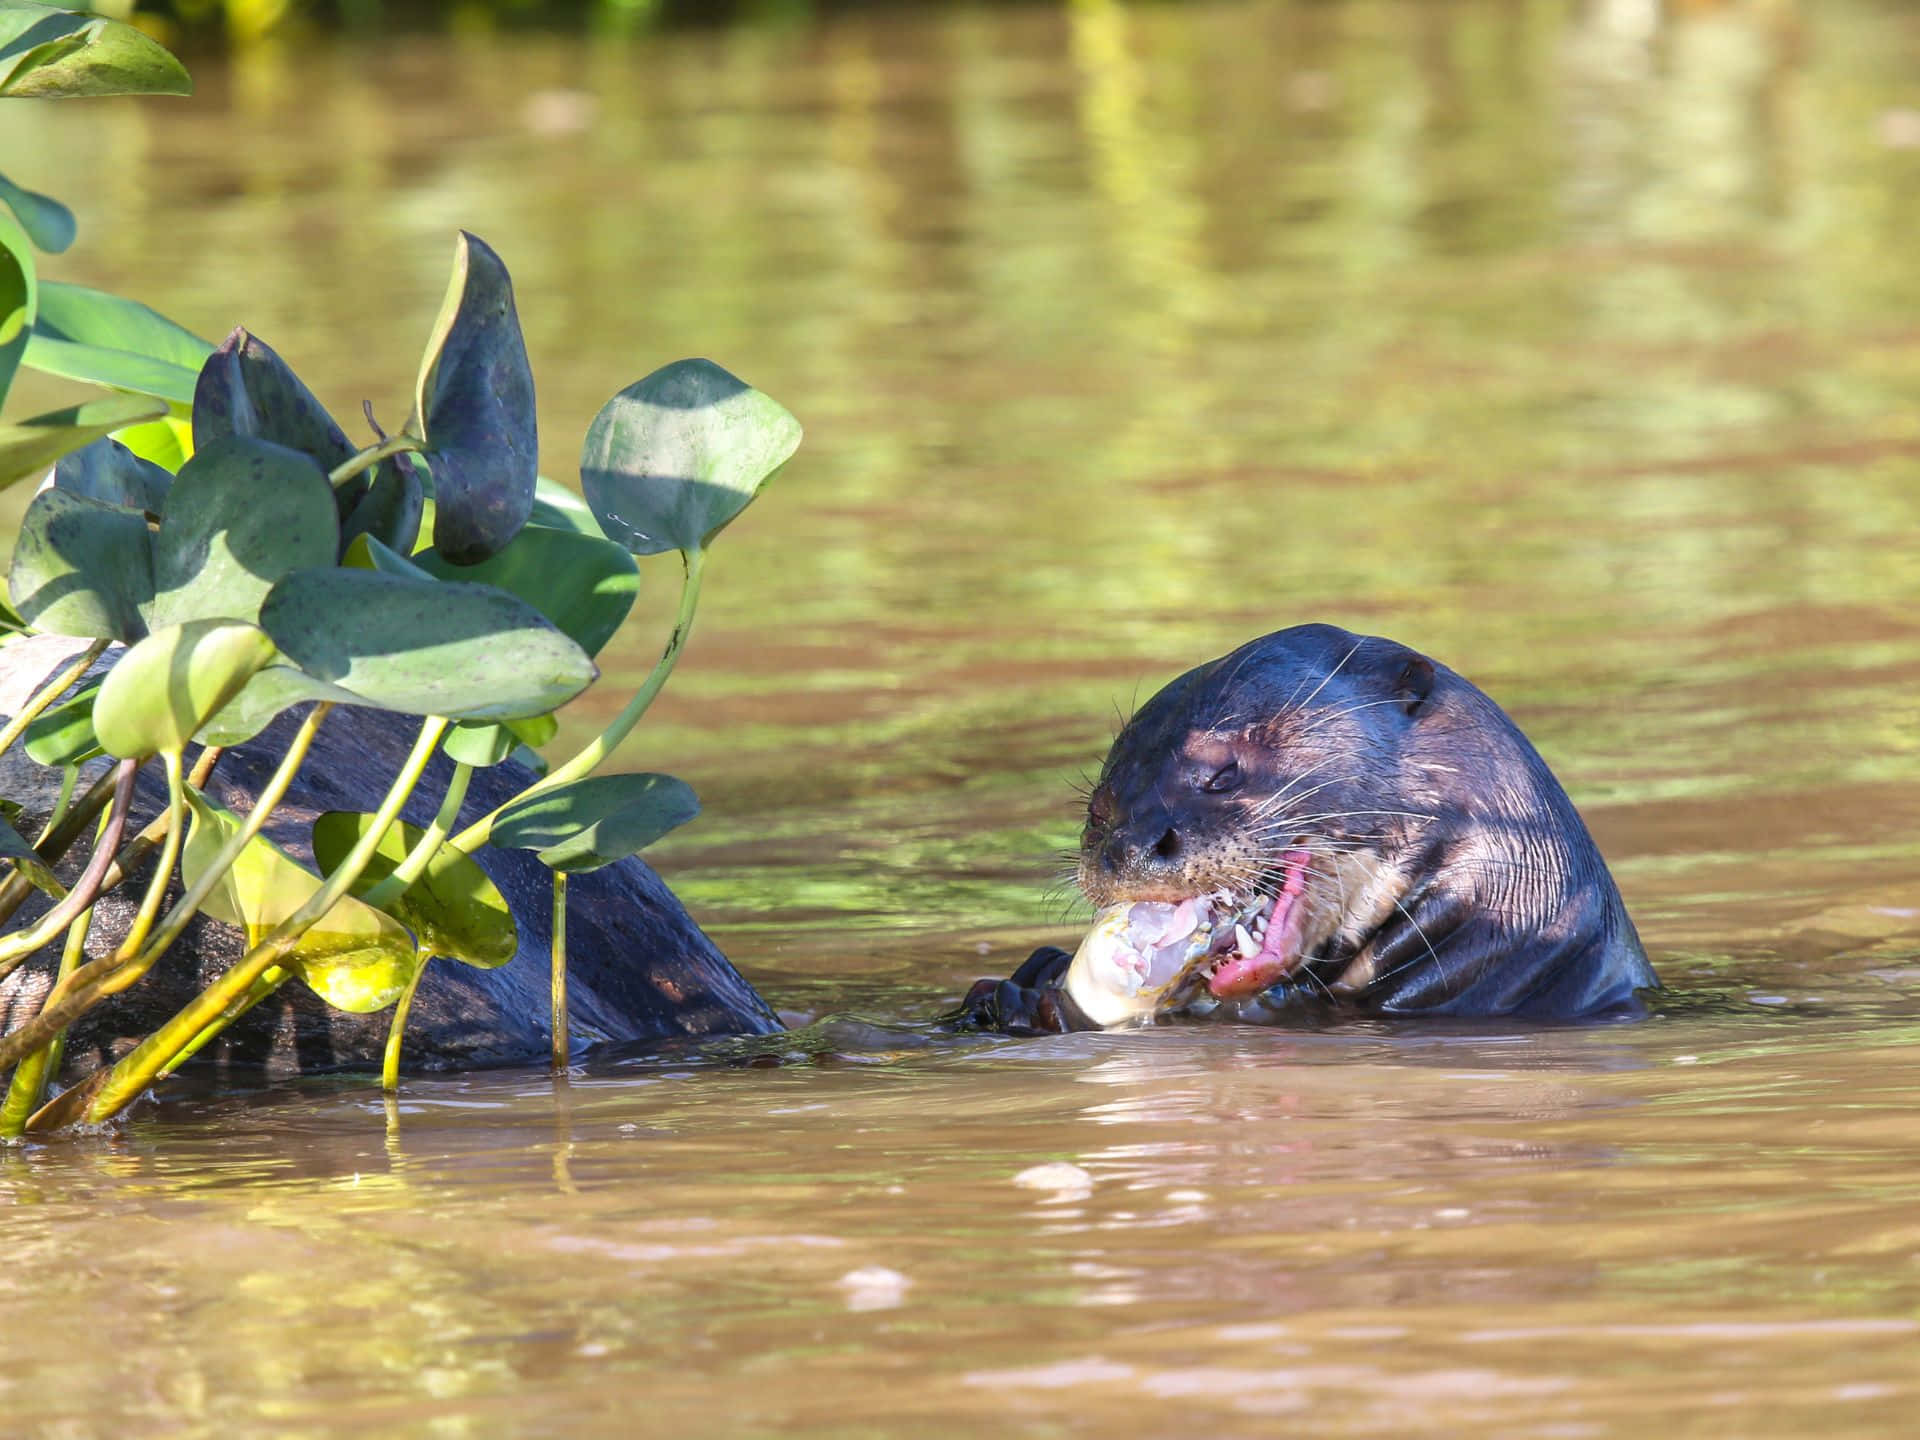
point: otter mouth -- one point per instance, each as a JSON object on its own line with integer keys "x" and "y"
{"x": 1144, "y": 956}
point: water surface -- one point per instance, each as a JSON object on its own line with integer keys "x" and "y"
{"x": 1576, "y": 347}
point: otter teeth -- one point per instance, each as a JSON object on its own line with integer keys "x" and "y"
{"x": 1244, "y": 942}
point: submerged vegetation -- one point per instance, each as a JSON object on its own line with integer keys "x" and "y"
{"x": 208, "y": 516}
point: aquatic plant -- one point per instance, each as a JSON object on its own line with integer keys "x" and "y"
{"x": 215, "y": 522}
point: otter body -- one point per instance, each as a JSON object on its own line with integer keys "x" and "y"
{"x": 1395, "y": 845}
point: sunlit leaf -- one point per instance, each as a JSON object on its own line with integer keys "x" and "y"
{"x": 109, "y": 472}
{"x": 355, "y": 957}
{"x": 51, "y": 54}
{"x": 159, "y": 694}
{"x": 596, "y": 821}
{"x": 473, "y": 407}
{"x": 425, "y": 647}
{"x": 85, "y": 334}
{"x": 167, "y": 441}
{"x": 19, "y": 298}
{"x": 82, "y": 568}
{"x": 48, "y": 223}
{"x": 28, "y": 447}
{"x": 241, "y": 514}
{"x": 453, "y": 909}
{"x": 670, "y": 460}
{"x": 482, "y": 744}
{"x": 557, "y": 508}
{"x": 582, "y": 583}
{"x": 63, "y": 734}
{"x": 14, "y": 847}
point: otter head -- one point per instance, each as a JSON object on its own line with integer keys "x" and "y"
{"x": 1263, "y": 796}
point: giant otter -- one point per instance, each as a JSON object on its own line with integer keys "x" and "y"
{"x": 1343, "y": 825}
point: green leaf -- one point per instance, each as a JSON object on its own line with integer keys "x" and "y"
{"x": 473, "y": 408}
{"x": 453, "y": 909}
{"x": 166, "y": 687}
{"x": 355, "y": 957}
{"x": 246, "y": 389}
{"x": 58, "y": 54}
{"x": 19, "y": 298}
{"x": 64, "y": 734}
{"x": 14, "y": 847}
{"x": 483, "y": 745}
{"x": 596, "y": 821}
{"x": 82, "y": 568}
{"x": 167, "y": 441}
{"x": 555, "y": 507}
{"x": 392, "y": 507}
{"x": 670, "y": 460}
{"x": 583, "y": 584}
{"x": 109, "y": 472}
{"x": 274, "y": 689}
{"x": 84, "y": 334}
{"x": 48, "y": 223}
{"x": 425, "y": 647}
{"x": 27, "y": 447}
{"x": 242, "y": 513}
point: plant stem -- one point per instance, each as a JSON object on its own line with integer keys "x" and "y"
{"x": 370, "y": 457}
{"x": 132, "y": 960}
{"x": 589, "y": 759}
{"x": 258, "y": 991}
{"x": 119, "y": 1087}
{"x": 136, "y": 935}
{"x": 29, "y": 1083}
{"x": 390, "y": 1062}
{"x": 55, "y": 688}
{"x": 562, "y": 1051}
{"x": 57, "y": 839}
{"x": 18, "y": 946}
{"x": 421, "y": 855}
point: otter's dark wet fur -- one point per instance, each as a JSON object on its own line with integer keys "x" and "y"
{"x": 1451, "y": 875}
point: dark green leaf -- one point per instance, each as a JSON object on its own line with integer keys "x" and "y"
{"x": 672, "y": 459}
{"x": 242, "y": 513}
{"x": 453, "y": 909}
{"x": 48, "y": 223}
{"x": 596, "y": 821}
{"x": 166, "y": 687}
{"x": 19, "y": 298}
{"x": 473, "y": 407}
{"x": 27, "y": 447}
{"x": 425, "y": 647}
{"x": 583, "y": 584}
{"x": 82, "y": 568}
{"x": 109, "y": 472}
{"x": 276, "y": 688}
{"x": 392, "y": 508}
{"x": 64, "y": 734}
{"x": 246, "y": 389}
{"x": 55, "y": 54}
{"x": 85, "y": 334}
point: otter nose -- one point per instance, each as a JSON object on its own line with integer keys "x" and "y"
{"x": 1149, "y": 849}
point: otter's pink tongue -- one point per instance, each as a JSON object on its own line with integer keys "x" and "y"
{"x": 1241, "y": 975}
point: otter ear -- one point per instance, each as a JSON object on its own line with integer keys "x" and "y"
{"x": 1415, "y": 684}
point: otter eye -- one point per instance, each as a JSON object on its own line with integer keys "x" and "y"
{"x": 1226, "y": 778}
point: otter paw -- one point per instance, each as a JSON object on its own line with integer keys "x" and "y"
{"x": 1030, "y": 1002}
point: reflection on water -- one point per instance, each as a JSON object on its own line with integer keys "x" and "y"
{"x": 1572, "y": 343}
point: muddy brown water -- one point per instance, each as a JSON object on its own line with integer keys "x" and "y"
{"x": 1574, "y": 344}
